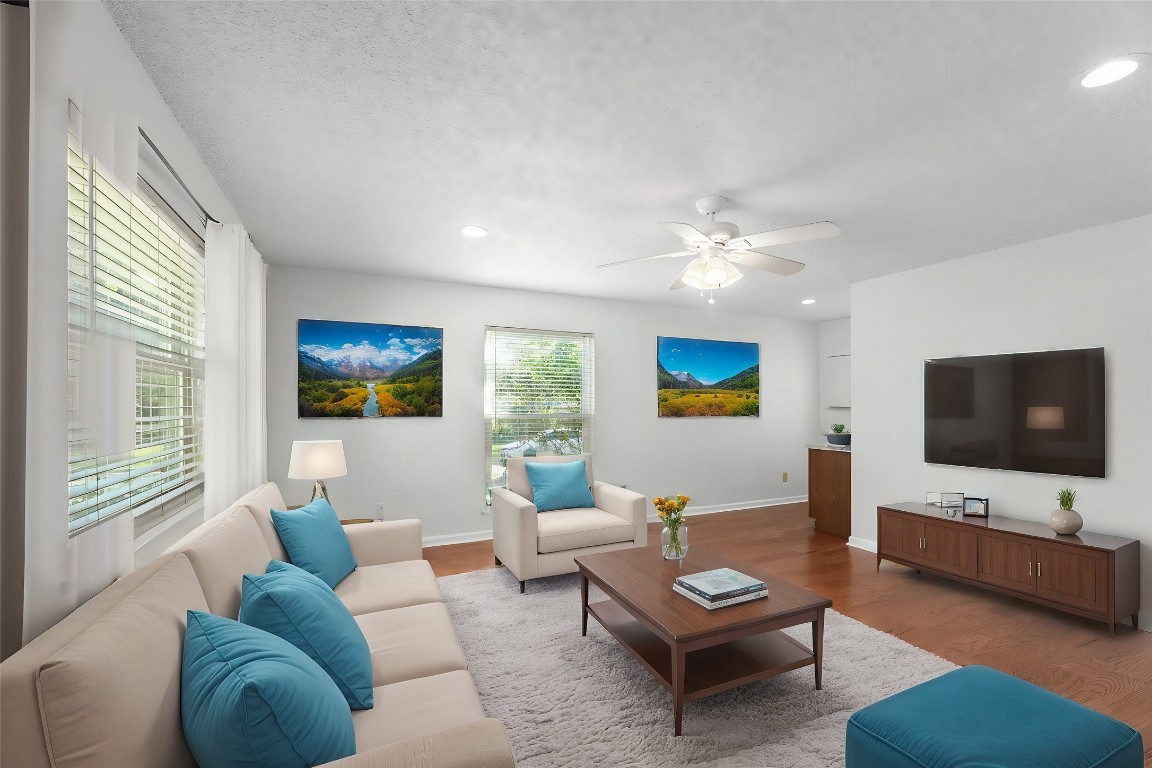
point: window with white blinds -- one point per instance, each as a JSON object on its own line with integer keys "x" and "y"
{"x": 135, "y": 353}
{"x": 539, "y": 396}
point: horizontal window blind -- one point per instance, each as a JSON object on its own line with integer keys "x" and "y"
{"x": 539, "y": 396}
{"x": 135, "y": 354}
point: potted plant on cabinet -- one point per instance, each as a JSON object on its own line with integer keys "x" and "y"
{"x": 839, "y": 436}
{"x": 1066, "y": 521}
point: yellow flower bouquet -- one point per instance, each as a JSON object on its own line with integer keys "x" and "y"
{"x": 670, "y": 510}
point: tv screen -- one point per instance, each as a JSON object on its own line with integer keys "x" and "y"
{"x": 1028, "y": 412}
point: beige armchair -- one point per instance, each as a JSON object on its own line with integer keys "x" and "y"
{"x": 532, "y": 545}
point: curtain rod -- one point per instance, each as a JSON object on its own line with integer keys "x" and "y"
{"x": 176, "y": 176}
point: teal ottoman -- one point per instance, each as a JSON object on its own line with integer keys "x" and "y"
{"x": 976, "y": 717}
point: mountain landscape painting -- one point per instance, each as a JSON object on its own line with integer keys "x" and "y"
{"x": 697, "y": 377}
{"x": 367, "y": 371}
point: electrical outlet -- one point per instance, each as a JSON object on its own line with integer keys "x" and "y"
{"x": 785, "y": 477}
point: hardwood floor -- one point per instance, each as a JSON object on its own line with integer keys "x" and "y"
{"x": 1071, "y": 656}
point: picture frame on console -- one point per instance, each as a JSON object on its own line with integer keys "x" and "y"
{"x": 975, "y": 507}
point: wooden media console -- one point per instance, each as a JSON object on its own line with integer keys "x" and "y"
{"x": 1088, "y": 574}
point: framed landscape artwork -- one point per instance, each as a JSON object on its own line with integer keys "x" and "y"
{"x": 368, "y": 371}
{"x": 697, "y": 377}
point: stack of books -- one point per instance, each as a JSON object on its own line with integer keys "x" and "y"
{"x": 718, "y": 588}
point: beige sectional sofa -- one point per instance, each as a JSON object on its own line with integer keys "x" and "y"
{"x": 101, "y": 689}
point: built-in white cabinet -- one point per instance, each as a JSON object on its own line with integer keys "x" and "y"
{"x": 836, "y": 381}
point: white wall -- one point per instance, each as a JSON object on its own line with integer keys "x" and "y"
{"x": 78, "y": 54}
{"x": 434, "y": 469}
{"x": 1084, "y": 289}
{"x": 835, "y": 341}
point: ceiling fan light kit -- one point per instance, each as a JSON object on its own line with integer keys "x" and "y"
{"x": 718, "y": 247}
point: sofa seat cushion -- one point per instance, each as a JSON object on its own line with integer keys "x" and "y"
{"x": 391, "y": 585}
{"x": 1014, "y": 723}
{"x": 111, "y": 696}
{"x": 411, "y": 642}
{"x": 416, "y": 707}
{"x": 565, "y": 529}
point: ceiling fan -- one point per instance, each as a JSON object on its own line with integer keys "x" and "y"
{"x": 719, "y": 248}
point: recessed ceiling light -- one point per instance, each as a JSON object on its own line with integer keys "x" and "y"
{"x": 808, "y": 301}
{"x": 472, "y": 230}
{"x": 1112, "y": 70}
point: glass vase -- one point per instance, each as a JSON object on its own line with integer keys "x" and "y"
{"x": 674, "y": 542}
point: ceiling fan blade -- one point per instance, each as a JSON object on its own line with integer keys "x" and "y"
{"x": 817, "y": 231}
{"x": 687, "y": 233}
{"x": 766, "y": 262}
{"x": 648, "y": 258}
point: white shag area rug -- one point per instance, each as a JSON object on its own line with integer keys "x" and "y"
{"x": 568, "y": 700}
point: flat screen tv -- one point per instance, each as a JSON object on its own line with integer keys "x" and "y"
{"x": 1027, "y": 412}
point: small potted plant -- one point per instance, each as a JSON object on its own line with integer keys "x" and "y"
{"x": 839, "y": 436}
{"x": 1066, "y": 521}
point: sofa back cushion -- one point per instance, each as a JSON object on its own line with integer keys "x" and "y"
{"x": 222, "y": 550}
{"x": 260, "y": 501}
{"x": 111, "y": 697}
{"x": 518, "y": 475}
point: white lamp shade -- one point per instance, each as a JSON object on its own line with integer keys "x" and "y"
{"x": 1045, "y": 417}
{"x": 714, "y": 272}
{"x": 317, "y": 460}
{"x": 696, "y": 275}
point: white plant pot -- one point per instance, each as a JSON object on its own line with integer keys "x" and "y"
{"x": 1066, "y": 521}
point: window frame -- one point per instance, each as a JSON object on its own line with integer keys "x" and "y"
{"x": 135, "y": 282}
{"x": 545, "y": 423}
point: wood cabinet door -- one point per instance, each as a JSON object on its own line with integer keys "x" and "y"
{"x": 950, "y": 548}
{"x": 1076, "y": 577}
{"x": 900, "y": 536}
{"x": 830, "y": 491}
{"x": 1006, "y": 562}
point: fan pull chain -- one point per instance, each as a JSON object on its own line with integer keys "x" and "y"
{"x": 711, "y": 300}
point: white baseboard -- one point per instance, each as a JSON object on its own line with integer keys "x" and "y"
{"x": 734, "y": 506}
{"x": 866, "y": 544}
{"x": 455, "y": 538}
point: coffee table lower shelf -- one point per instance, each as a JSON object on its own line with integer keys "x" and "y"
{"x": 708, "y": 670}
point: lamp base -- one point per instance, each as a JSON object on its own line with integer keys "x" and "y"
{"x": 320, "y": 491}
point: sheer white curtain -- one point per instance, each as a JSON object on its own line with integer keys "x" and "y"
{"x": 235, "y": 422}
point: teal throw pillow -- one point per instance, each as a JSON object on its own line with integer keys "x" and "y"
{"x": 293, "y": 604}
{"x": 315, "y": 541}
{"x": 249, "y": 699}
{"x": 559, "y": 485}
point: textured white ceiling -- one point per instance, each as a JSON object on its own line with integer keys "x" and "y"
{"x": 361, "y": 136}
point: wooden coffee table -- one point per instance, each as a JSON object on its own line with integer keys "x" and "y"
{"x": 690, "y": 650}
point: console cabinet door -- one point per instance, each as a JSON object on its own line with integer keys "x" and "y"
{"x": 949, "y": 547}
{"x": 900, "y": 536}
{"x": 1006, "y": 562}
{"x": 1076, "y": 577}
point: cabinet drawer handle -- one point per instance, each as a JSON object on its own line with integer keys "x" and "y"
{"x": 1029, "y": 567}
{"x": 1037, "y": 569}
